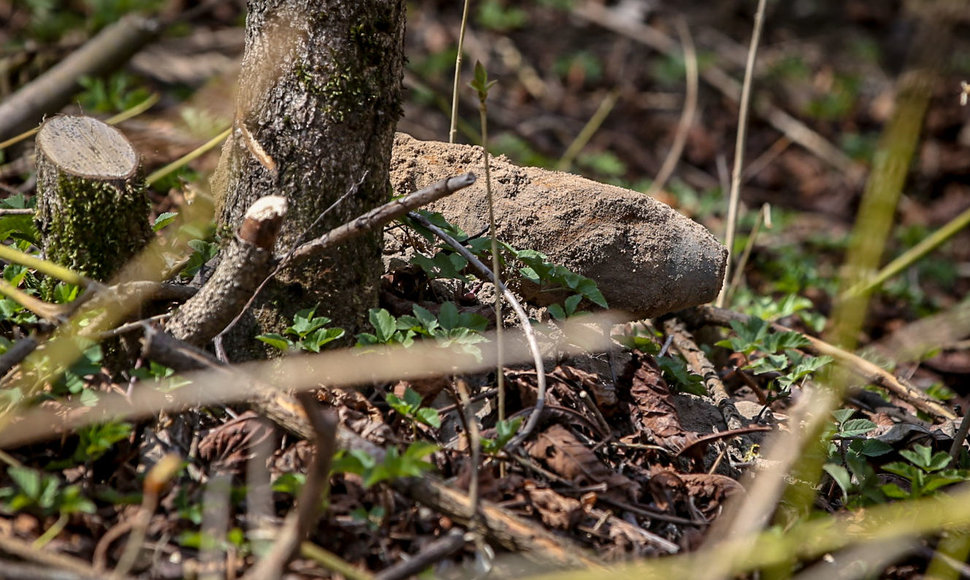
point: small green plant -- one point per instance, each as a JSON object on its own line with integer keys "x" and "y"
{"x": 94, "y": 442}
{"x": 42, "y": 494}
{"x": 202, "y": 252}
{"x": 372, "y": 518}
{"x": 410, "y": 407}
{"x": 677, "y": 374}
{"x": 450, "y": 328}
{"x": 776, "y": 353}
{"x": 925, "y": 471}
{"x": 117, "y": 93}
{"x": 163, "y": 376}
{"x": 395, "y": 465}
{"x": 504, "y": 432}
{"x": 308, "y": 333}
{"x": 848, "y": 463}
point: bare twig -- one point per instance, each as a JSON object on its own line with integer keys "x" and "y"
{"x": 300, "y": 521}
{"x": 434, "y": 552}
{"x": 686, "y": 116}
{"x": 379, "y": 216}
{"x": 735, "y": 197}
{"x": 453, "y": 129}
{"x": 474, "y": 443}
{"x": 519, "y": 311}
{"x": 245, "y": 263}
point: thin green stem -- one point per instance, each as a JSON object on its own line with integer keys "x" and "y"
{"x": 590, "y": 129}
{"x": 14, "y": 256}
{"x": 911, "y": 256}
{"x": 453, "y": 129}
{"x": 188, "y": 157}
{"x": 483, "y": 113}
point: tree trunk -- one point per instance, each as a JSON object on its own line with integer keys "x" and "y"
{"x": 319, "y": 96}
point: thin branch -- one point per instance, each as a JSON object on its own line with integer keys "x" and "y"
{"x": 686, "y": 116}
{"x": 744, "y": 105}
{"x": 474, "y": 443}
{"x": 527, "y": 330}
{"x": 434, "y": 552}
{"x": 379, "y": 216}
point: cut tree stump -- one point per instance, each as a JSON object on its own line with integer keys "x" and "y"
{"x": 646, "y": 258}
{"x": 91, "y": 206}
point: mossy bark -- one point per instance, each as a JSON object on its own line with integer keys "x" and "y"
{"x": 92, "y": 210}
{"x": 318, "y": 100}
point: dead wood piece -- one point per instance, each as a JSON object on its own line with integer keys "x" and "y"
{"x": 646, "y": 258}
{"x": 434, "y": 552}
{"x": 701, "y": 365}
{"x": 91, "y": 209}
{"x": 244, "y": 266}
{"x": 52, "y": 90}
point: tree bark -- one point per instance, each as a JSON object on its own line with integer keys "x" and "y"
{"x": 319, "y": 96}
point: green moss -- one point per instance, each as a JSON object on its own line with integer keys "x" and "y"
{"x": 97, "y": 227}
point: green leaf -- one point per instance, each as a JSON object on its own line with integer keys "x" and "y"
{"x": 448, "y": 316}
{"x": 384, "y": 324}
{"x": 557, "y": 312}
{"x": 163, "y": 220}
{"x": 412, "y": 398}
{"x": 428, "y": 416}
{"x": 276, "y": 341}
{"x": 572, "y": 303}
{"x": 840, "y": 475}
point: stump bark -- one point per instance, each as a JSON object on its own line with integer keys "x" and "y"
{"x": 92, "y": 210}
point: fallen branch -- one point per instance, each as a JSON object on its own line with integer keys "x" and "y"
{"x": 105, "y": 52}
{"x": 500, "y": 527}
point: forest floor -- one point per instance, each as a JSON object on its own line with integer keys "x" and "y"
{"x": 640, "y": 447}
